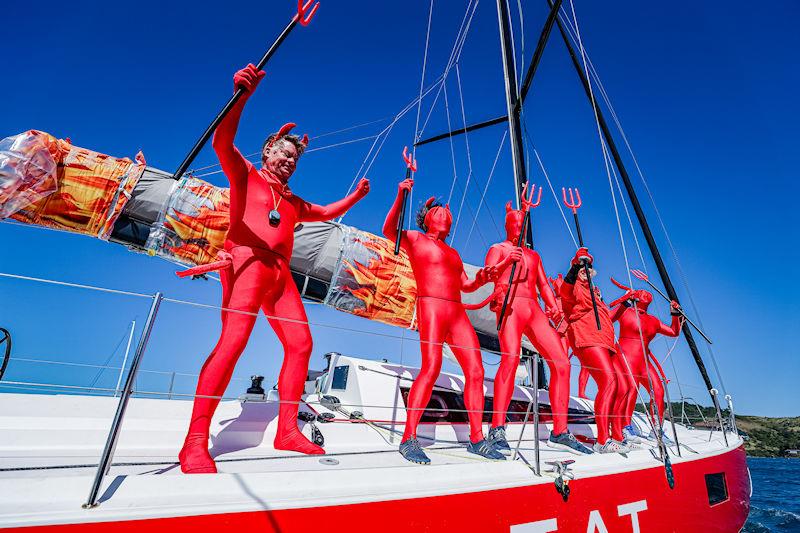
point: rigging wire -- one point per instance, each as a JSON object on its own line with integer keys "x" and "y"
{"x": 486, "y": 187}
{"x": 663, "y": 226}
{"x": 469, "y": 154}
{"x": 673, "y": 251}
{"x": 653, "y": 422}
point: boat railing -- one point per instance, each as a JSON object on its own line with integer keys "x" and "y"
{"x": 128, "y": 388}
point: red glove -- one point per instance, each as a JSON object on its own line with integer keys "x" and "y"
{"x": 362, "y": 189}
{"x": 582, "y": 255}
{"x": 675, "y": 308}
{"x": 248, "y": 78}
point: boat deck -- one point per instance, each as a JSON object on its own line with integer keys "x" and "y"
{"x": 48, "y": 459}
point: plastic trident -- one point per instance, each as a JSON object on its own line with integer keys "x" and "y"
{"x": 303, "y": 16}
{"x": 527, "y": 205}
{"x": 574, "y": 204}
{"x": 411, "y": 166}
{"x": 302, "y": 9}
{"x": 644, "y": 277}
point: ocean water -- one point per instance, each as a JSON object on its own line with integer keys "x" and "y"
{"x": 775, "y": 505}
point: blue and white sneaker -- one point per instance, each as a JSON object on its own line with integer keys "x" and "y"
{"x": 484, "y": 448}
{"x": 611, "y": 446}
{"x": 631, "y": 434}
{"x": 567, "y": 441}
{"x": 412, "y": 451}
{"x": 497, "y": 436}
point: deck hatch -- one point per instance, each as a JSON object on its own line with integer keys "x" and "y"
{"x": 717, "y": 488}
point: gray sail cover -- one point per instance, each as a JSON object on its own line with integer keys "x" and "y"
{"x": 321, "y": 260}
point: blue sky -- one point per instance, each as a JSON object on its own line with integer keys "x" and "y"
{"x": 706, "y": 93}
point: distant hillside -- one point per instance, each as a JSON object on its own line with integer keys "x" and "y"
{"x": 766, "y": 436}
{"x": 770, "y": 437}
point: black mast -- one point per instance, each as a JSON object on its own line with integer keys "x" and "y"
{"x": 648, "y": 235}
{"x": 512, "y": 99}
{"x": 514, "y": 107}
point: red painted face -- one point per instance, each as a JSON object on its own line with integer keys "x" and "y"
{"x": 281, "y": 159}
{"x": 439, "y": 220}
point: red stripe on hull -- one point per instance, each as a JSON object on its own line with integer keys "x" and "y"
{"x": 685, "y": 508}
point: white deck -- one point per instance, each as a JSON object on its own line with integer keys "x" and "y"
{"x": 50, "y": 446}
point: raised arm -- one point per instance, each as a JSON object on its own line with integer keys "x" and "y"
{"x": 616, "y": 312}
{"x": 393, "y": 217}
{"x": 319, "y": 213}
{"x": 674, "y": 329}
{"x": 233, "y": 163}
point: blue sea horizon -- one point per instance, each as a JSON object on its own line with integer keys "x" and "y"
{"x": 775, "y": 504}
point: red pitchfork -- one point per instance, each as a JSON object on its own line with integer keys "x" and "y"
{"x": 644, "y": 277}
{"x": 302, "y": 17}
{"x": 574, "y": 204}
{"x": 527, "y": 205}
{"x": 411, "y": 166}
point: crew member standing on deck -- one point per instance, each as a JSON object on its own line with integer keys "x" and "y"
{"x": 440, "y": 277}
{"x": 524, "y": 316}
{"x": 595, "y": 348}
{"x": 256, "y": 275}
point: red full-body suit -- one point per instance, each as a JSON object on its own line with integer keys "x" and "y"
{"x": 524, "y": 316}
{"x": 644, "y": 369}
{"x": 258, "y": 277}
{"x": 440, "y": 277}
{"x": 594, "y": 348}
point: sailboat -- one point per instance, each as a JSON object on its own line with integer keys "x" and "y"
{"x": 695, "y": 479}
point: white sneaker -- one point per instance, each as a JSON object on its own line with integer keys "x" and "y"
{"x": 631, "y": 434}
{"x": 611, "y": 446}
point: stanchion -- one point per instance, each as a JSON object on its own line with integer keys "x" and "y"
{"x": 714, "y": 393}
{"x": 672, "y": 418}
{"x": 532, "y": 367}
{"x": 113, "y": 435}
{"x": 734, "y": 427}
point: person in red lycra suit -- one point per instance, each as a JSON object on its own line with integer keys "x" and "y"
{"x": 561, "y": 329}
{"x": 524, "y": 316}
{"x": 594, "y": 348}
{"x": 256, "y": 276}
{"x": 634, "y": 342}
{"x": 440, "y": 277}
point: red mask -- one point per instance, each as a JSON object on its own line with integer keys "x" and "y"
{"x": 514, "y": 218}
{"x": 438, "y": 219}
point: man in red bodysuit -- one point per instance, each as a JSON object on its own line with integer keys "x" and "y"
{"x": 634, "y": 342}
{"x": 594, "y": 348}
{"x": 440, "y": 277}
{"x": 561, "y": 329}
{"x": 524, "y": 316}
{"x": 258, "y": 245}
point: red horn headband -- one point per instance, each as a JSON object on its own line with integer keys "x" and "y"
{"x": 285, "y": 129}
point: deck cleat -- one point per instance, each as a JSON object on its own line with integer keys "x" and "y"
{"x": 497, "y": 436}
{"x": 412, "y": 451}
{"x": 563, "y": 475}
{"x": 484, "y": 448}
{"x": 567, "y": 442}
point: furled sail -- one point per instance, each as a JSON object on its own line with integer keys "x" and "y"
{"x": 185, "y": 221}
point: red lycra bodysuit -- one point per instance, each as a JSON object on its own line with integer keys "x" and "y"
{"x": 258, "y": 277}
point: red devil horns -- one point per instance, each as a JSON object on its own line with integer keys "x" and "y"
{"x": 285, "y": 129}
{"x": 628, "y": 293}
{"x": 430, "y": 201}
{"x": 620, "y": 285}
